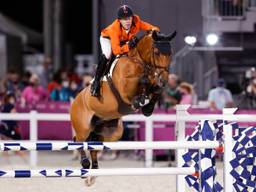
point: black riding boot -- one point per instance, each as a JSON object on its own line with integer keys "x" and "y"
{"x": 95, "y": 88}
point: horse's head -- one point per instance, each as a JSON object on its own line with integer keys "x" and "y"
{"x": 155, "y": 50}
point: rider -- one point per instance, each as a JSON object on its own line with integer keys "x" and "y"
{"x": 119, "y": 38}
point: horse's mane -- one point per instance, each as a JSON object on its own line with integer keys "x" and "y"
{"x": 148, "y": 42}
{"x": 137, "y": 52}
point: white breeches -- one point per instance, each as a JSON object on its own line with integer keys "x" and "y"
{"x": 106, "y": 47}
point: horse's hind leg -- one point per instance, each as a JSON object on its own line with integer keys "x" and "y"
{"x": 80, "y": 119}
{"x": 94, "y": 157}
{"x": 117, "y": 133}
{"x": 85, "y": 162}
{"x": 91, "y": 179}
{"x": 95, "y": 137}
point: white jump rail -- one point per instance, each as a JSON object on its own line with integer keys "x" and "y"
{"x": 180, "y": 118}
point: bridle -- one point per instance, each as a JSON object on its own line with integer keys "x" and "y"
{"x": 152, "y": 69}
{"x": 158, "y": 70}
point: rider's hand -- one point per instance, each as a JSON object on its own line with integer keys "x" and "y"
{"x": 155, "y": 29}
{"x": 133, "y": 42}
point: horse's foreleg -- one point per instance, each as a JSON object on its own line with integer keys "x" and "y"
{"x": 80, "y": 118}
{"x": 143, "y": 98}
{"x": 148, "y": 109}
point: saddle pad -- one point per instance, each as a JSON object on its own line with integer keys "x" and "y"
{"x": 111, "y": 69}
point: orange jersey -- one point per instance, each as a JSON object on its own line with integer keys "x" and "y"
{"x": 118, "y": 36}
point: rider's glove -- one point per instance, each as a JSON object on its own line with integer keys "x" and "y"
{"x": 133, "y": 42}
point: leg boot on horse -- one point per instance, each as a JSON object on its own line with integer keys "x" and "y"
{"x": 94, "y": 137}
{"x": 90, "y": 180}
{"x": 84, "y": 161}
{"x": 95, "y": 87}
{"x": 148, "y": 109}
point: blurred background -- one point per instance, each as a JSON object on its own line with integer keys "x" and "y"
{"x": 63, "y": 35}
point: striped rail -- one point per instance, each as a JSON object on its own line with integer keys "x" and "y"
{"x": 59, "y": 146}
{"x": 48, "y": 173}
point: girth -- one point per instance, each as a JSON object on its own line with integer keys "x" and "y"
{"x": 123, "y": 107}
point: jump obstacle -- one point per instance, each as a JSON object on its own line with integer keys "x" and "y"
{"x": 69, "y": 172}
{"x": 60, "y": 146}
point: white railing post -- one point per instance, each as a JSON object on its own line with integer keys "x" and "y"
{"x": 180, "y": 128}
{"x": 228, "y": 146}
{"x": 33, "y": 130}
{"x": 149, "y": 138}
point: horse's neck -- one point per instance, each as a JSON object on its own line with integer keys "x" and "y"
{"x": 134, "y": 55}
{"x": 127, "y": 75}
{"x": 144, "y": 49}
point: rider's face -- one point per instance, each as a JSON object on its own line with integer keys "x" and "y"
{"x": 126, "y": 23}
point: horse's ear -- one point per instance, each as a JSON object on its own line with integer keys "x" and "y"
{"x": 171, "y": 36}
{"x": 154, "y": 35}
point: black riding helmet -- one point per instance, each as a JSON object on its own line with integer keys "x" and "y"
{"x": 124, "y": 11}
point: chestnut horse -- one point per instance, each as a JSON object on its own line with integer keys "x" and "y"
{"x": 137, "y": 82}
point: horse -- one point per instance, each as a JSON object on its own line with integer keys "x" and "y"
{"x": 136, "y": 84}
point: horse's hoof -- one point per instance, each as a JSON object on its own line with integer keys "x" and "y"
{"x": 148, "y": 109}
{"x": 85, "y": 163}
{"x": 146, "y": 112}
{"x": 89, "y": 181}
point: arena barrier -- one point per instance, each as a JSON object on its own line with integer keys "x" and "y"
{"x": 181, "y": 117}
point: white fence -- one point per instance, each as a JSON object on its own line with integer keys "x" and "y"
{"x": 181, "y": 117}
